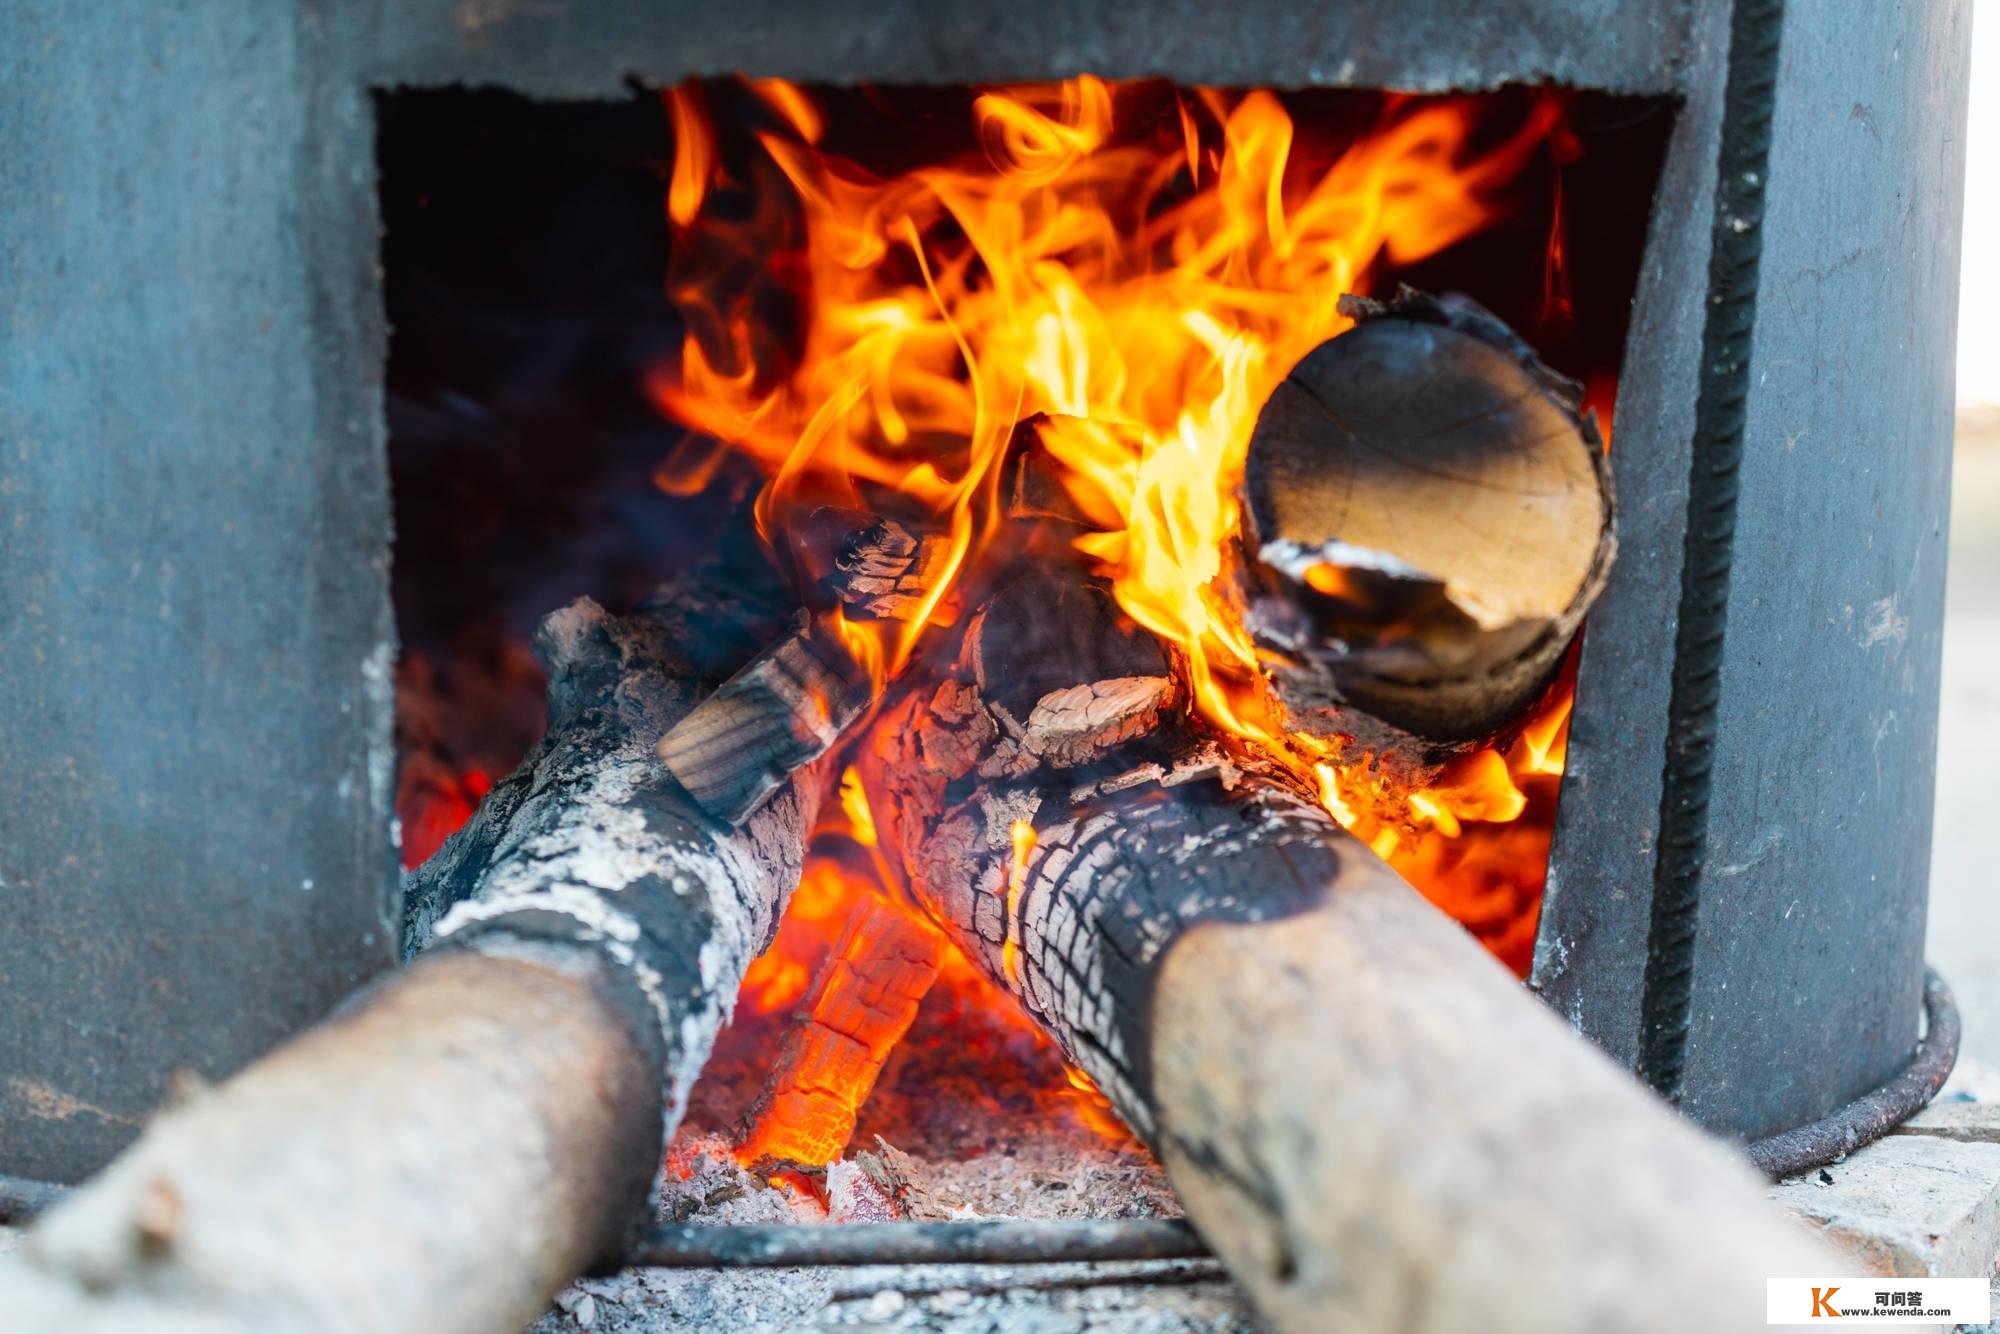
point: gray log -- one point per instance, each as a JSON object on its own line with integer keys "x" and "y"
{"x": 593, "y": 840}
{"x": 1366, "y": 1116}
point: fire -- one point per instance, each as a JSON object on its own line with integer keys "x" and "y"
{"x": 854, "y": 960}
{"x": 1023, "y": 837}
{"x": 1148, "y": 284}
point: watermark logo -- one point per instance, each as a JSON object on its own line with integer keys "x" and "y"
{"x": 1877, "y": 1301}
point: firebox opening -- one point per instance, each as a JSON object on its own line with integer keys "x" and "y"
{"x": 527, "y": 251}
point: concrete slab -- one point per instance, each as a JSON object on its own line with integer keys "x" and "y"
{"x": 1910, "y": 1205}
{"x": 1967, "y": 1122}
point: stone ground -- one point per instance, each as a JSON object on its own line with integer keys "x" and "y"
{"x": 1925, "y": 1201}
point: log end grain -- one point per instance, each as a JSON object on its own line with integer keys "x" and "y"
{"x": 1428, "y": 515}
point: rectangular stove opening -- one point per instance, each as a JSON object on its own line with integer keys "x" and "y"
{"x": 972, "y": 374}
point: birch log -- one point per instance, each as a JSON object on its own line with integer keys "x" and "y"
{"x": 1428, "y": 515}
{"x": 467, "y": 1134}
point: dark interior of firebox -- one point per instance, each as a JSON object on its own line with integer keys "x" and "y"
{"x": 525, "y": 249}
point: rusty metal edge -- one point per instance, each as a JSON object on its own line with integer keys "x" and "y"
{"x": 1876, "y": 1113}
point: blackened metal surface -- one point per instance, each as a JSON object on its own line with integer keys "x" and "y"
{"x": 1808, "y": 973}
{"x": 195, "y": 763}
{"x": 571, "y": 48}
{"x": 1591, "y": 947}
{"x": 1879, "y": 1111}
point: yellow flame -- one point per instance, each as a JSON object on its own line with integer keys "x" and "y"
{"x": 1023, "y": 836}
{"x": 854, "y": 804}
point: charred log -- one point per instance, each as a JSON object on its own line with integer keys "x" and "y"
{"x": 1369, "y": 1119}
{"x": 1427, "y": 517}
{"x": 469, "y": 1133}
{"x": 888, "y": 569}
{"x": 789, "y": 705}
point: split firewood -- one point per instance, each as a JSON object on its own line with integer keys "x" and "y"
{"x": 887, "y": 569}
{"x": 1370, "y": 1120}
{"x": 467, "y": 1134}
{"x": 858, "y": 1008}
{"x": 787, "y": 708}
{"x": 1427, "y": 516}
{"x": 783, "y": 711}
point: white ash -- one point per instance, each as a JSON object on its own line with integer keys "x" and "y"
{"x": 1056, "y": 1177}
{"x": 703, "y": 1183}
{"x": 1162, "y": 1297}
{"x": 1042, "y": 1180}
{"x": 1061, "y": 1171}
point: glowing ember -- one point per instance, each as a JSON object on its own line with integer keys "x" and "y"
{"x": 1148, "y": 285}
{"x": 856, "y": 962}
{"x": 863, "y": 1001}
{"x": 1017, "y": 879}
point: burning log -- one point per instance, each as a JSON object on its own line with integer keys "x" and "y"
{"x": 789, "y": 705}
{"x": 1427, "y": 517}
{"x": 888, "y": 570}
{"x": 1365, "y": 1115}
{"x": 467, "y": 1134}
{"x": 860, "y": 1006}
{"x": 780, "y": 713}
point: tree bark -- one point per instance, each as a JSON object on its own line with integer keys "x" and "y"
{"x": 446, "y": 1151}
{"x": 593, "y": 839}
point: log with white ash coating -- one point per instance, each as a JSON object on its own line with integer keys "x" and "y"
{"x": 1367, "y": 1117}
{"x": 467, "y": 1134}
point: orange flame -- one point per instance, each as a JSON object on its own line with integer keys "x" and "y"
{"x": 852, "y": 960}
{"x": 1146, "y": 285}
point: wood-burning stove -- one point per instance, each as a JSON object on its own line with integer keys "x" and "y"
{"x": 196, "y": 738}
